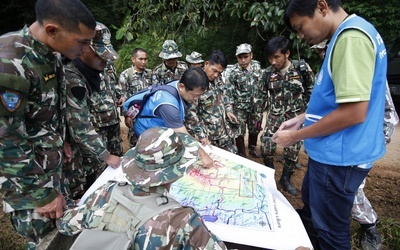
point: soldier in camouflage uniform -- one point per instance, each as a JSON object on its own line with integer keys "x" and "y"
{"x": 132, "y": 80}
{"x": 32, "y": 122}
{"x": 83, "y": 76}
{"x": 288, "y": 86}
{"x": 210, "y": 118}
{"x": 170, "y": 69}
{"x": 176, "y": 228}
{"x": 194, "y": 59}
{"x": 243, "y": 85}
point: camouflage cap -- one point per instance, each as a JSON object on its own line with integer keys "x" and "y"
{"x": 194, "y": 57}
{"x": 243, "y": 48}
{"x": 101, "y": 43}
{"x": 161, "y": 156}
{"x": 169, "y": 50}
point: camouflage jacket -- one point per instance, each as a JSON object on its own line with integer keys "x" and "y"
{"x": 243, "y": 85}
{"x": 207, "y": 118}
{"x": 162, "y": 73}
{"x": 103, "y": 107}
{"x": 285, "y": 93}
{"x": 176, "y": 228}
{"x": 81, "y": 134}
{"x": 31, "y": 86}
{"x": 132, "y": 81}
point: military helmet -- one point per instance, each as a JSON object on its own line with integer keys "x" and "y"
{"x": 101, "y": 43}
{"x": 169, "y": 50}
{"x": 161, "y": 156}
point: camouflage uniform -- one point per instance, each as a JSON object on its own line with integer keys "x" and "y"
{"x": 31, "y": 127}
{"x": 104, "y": 112}
{"x": 164, "y": 74}
{"x": 176, "y": 228}
{"x": 287, "y": 97}
{"x": 85, "y": 141}
{"x": 132, "y": 81}
{"x": 207, "y": 118}
{"x": 243, "y": 86}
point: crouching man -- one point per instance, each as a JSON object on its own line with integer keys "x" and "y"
{"x": 142, "y": 209}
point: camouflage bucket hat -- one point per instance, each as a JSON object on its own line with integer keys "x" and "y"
{"x": 243, "y": 48}
{"x": 101, "y": 43}
{"x": 169, "y": 50}
{"x": 194, "y": 57}
{"x": 161, "y": 156}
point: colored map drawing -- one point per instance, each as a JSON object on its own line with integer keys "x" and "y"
{"x": 229, "y": 193}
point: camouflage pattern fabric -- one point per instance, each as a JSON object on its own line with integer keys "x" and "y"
{"x": 207, "y": 118}
{"x": 242, "y": 88}
{"x": 160, "y": 157}
{"x": 31, "y": 125}
{"x": 103, "y": 109}
{"x": 163, "y": 74}
{"x": 84, "y": 140}
{"x": 177, "y": 228}
{"x": 287, "y": 96}
{"x": 133, "y": 81}
{"x": 362, "y": 210}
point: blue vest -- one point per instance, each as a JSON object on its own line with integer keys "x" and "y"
{"x": 361, "y": 143}
{"x": 149, "y": 119}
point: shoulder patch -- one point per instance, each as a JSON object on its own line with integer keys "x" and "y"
{"x": 11, "y": 100}
{"x": 78, "y": 92}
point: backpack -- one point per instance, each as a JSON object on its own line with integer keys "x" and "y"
{"x": 134, "y": 105}
{"x": 116, "y": 225}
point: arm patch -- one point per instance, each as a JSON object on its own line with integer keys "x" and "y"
{"x": 78, "y": 92}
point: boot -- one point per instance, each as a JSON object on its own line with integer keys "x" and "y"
{"x": 269, "y": 162}
{"x": 240, "y": 146}
{"x": 285, "y": 182}
{"x": 252, "y": 145}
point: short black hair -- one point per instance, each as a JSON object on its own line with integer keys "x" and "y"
{"x": 277, "y": 43}
{"x": 136, "y": 50}
{"x": 218, "y": 57}
{"x": 195, "y": 78}
{"x": 306, "y": 8}
{"x": 67, "y": 13}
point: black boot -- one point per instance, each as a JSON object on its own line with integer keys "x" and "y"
{"x": 269, "y": 162}
{"x": 252, "y": 145}
{"x": 240, "y": 146}
{"x": 285, "y": 182}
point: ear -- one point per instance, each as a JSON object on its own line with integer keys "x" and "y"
{"x": 287, "y": 53}
{"x": 322, "y": 7}
{"x": 51, "y": 30}
{"x": 181, "y": 87}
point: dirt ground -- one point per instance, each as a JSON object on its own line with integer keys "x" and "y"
{"x": 382, "y": 188}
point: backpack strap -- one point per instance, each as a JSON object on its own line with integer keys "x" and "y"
{"x": 157, "y": 87}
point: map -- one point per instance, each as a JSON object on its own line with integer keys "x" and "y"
{"x": 229, "y": 194}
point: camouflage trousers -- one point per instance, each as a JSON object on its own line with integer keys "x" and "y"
{"x": 362, "y": 210}
{"x": 268, "y": 147}
{"x": 247, "y": 118}
{"x": 29, "y": 223}
{"x": 111, "y": 135}
{"x": 132, "y": 138}
{"x": 32, "y": 226}
{"x": 226, "y": 144}
{"x": 81, "y": 172}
